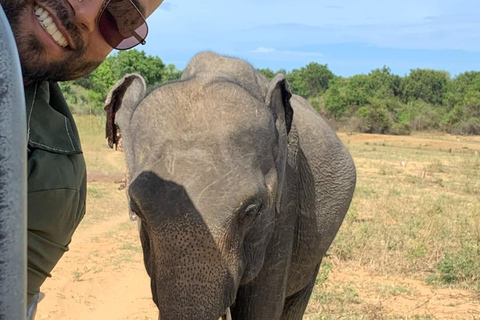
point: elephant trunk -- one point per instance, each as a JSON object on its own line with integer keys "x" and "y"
{"x": 191, "y": 255}
{"x": 191, "y": 277}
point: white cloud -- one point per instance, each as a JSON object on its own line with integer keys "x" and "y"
{"x": 263, "y": 50}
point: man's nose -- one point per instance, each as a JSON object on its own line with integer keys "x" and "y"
{"x": 86, "y": 13}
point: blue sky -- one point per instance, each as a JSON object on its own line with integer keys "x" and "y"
{"x": 351, "y": 36}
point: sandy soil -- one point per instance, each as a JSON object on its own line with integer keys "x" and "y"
{"x": 102, "y": 276}
{"x": 382, "y": 296}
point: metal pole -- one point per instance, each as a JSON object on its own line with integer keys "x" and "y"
{"x": 13, "y": 179}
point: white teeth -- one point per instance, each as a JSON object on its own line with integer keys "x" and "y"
{"x": 43, "y": 15}
{"x": 57, "y": 35}
{"x": 49, "y": 25}
{"x": 51, "y": 28}
{"x": 46, "y": 21}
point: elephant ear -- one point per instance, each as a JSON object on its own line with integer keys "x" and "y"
{"x": 120, "y": 105}
{"x": 278, "y": 100}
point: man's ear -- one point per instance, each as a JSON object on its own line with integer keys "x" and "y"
{"x": 278, "y": 100}
{"x": 120, "y": 105}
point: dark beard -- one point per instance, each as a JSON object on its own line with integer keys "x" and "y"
{"x": 32, "y": 52}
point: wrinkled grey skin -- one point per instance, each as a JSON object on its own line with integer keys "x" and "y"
{"x": 234, "y": 212}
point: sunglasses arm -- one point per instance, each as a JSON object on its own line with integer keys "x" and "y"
{"x": 139, "y": 38}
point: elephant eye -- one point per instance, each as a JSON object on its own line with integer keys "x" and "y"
{"x": 253, "y": 210}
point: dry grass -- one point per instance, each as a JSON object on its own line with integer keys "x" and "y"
{"x": 416, "y": 208}
{"x": 415, "y": 215}
{"x": 94, "y": 146}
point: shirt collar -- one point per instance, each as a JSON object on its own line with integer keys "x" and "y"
{"x": 50, "y": 123}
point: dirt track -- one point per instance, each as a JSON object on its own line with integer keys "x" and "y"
{"x": 102, "y": 277}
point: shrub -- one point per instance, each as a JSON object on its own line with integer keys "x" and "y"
{"x": 468, "y": 127}
{"x": 463, "y": 265}
{"x": 375, "y": 119}
{"x": 399, "y": 129}
{"x": 356, "y": 124}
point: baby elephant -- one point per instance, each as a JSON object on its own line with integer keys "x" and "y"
{"x": 240, "y": 188}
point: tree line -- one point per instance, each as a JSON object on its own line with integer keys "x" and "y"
{"x": 87, "y": 95}
{"x": 377, "y": 102}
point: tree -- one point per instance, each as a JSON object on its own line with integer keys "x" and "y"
{"x": 311, "y": 80}
{"x": 268, "y": 73}
{"x": 375, "y": 102}
{"x": 151, "y": 68}
{"x": 171, "y": 73}
{"x": 335, "y": 98}
{"x": 103, "y": 78}
{"x": 428, "y": 85}
{"x": 384, "y": 84}
{"x": 316, "y": 78}
{"x": 463, "y": 104}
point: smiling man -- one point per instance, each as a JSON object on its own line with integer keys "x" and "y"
{"x": 62, "y": 40}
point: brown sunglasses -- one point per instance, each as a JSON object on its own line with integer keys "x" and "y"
{"x": 122, "y": 24}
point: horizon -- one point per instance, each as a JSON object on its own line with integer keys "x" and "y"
{"x": 350, "y": 37}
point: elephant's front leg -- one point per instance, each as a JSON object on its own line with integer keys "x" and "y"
{"x": 264, "y": 297}
{"x": 260, "y": 300}
{"x": 296, "y": 304}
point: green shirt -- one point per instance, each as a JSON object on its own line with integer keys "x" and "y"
{"x": 56, "y": 180}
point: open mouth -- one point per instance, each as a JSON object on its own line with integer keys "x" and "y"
{"x": 49, "y": 25}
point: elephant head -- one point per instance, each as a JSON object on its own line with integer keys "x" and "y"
{"x": 206, "y": 158}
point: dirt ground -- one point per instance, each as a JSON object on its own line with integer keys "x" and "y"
{"x": 103, "y": 277}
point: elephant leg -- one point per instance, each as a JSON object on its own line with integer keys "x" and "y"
{"x": 296, "y": 304}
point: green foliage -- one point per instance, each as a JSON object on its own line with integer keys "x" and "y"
{"x": 468, "y": 127}
{"x": 346, "y": 96}
{"x": 268, "y": 73}
{"x": 323, "y": 273}
{"x": 375, "y": 119}
{"x": 96, "y": 100}
{"x": 423, "y": 100}
{"x": 384, "y": 84}
{"x": 318, "y": 104}
{"x": 400, "y": 129}
{"x": 91, "y": 91}
{"x": 316, "y": 78}
{"x": 424, "y": 84}
{"x": 377, "y": 102}
{"x": 68, "y": 92}
{"x": 420, "y": 115}
{"x": 133, "y": 61}
{"x": 336, "y": 98}
{"x": 463, "y": 104}
{"x": 170, "y": 73}
{"x": 311, "y": 80}
{"x": 460, "y": 266}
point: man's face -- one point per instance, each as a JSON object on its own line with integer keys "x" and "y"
{"x": 58, "y": 39}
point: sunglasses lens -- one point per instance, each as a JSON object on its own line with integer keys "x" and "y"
{"x": 139, "y": 37}
{"x": 122, "y": 26}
